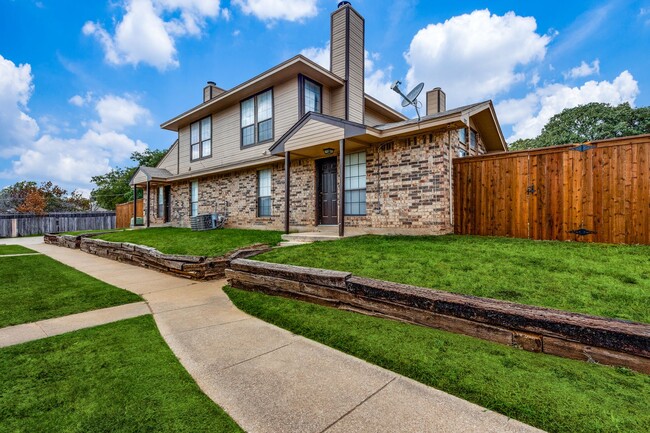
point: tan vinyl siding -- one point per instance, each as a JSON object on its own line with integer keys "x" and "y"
{"x": 170, "y": 160}
{"x": 356, "y": 69}
{"x": 338, "y": 44}
{"x": 337, "y": 103}
{"x": 226, "y": 132}
{"x": 140, "y": 177}
{"x": 314, "y": 132}
{"x": 373, "y": 118}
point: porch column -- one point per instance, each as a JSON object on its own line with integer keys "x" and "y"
{"x": 287, "y": 189}
{"x": 148, "y": 201}
{"x": 135, "y": 205}
{"x": 342, "y": 190}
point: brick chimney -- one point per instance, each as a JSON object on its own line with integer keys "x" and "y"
{"x": 436, "y": 101}
{"x": 347, "y": 57}
{"x": 211, "y": 91}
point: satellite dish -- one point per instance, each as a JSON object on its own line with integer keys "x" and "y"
{"x": 411, "y": 98}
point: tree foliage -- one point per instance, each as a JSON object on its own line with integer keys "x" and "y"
{"x": 594, "y": 121}
{"x": 113, "y": 187}
{"x": 29, "y": 197}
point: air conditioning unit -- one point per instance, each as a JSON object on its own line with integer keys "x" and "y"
{"x": 204, "y": 222}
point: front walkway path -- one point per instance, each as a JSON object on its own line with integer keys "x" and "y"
{"x": 270, "y": 380}
{"x": 17, "y": 334}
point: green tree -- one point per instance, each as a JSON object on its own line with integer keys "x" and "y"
{"x": 28, "y": 196}
{"x": 594, "y": 121}
{"x": 113, "y": 187}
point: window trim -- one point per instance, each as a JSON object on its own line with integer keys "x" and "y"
{"x": 464, "y": 141}
{"x": 200, "y": 142}
{"x": 346, "y": 189}
{"x": 302, "y": 79}
{"x": 197, "y": 198}
{"x": 270, "y": 196}
{"x": 255, "y": 121}
{"x": 160, "y": 212}
{"x": 475, "y": 146}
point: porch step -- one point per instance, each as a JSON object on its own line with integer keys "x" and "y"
{"x": 292, "y": 244}
{"x": 309, "y": 237}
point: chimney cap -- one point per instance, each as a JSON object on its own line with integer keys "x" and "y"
{"x": 211, "y": 83}
{"x": 341, "y": 4}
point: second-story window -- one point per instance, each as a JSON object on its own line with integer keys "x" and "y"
{"x": 472, "y": 139}
{"x": 201, "y": 139}
{"x": 313, "y": 93}
{"x": 257, "y": 119}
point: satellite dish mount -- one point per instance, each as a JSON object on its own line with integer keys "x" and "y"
{"x": 411, "y": 98}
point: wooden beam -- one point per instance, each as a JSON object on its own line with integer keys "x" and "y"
{"x": 135, "y": 205}
{"x": 287, "y": 189}
{"x": 342, "y": 188}
{"x": 148, "y": 201}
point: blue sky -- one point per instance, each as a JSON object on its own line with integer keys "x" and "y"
{"x": 83, "y": 84}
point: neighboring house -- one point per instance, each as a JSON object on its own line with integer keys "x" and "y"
{"x": 299, "y": 146}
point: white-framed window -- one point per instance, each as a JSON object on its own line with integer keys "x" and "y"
{"x": 201, "y": 139}
{"x": 313, "y": 94}
{"x": 462, "y": 135}
{"x": 257, "y": 119}
{"x": 194, "y": 198}
{"x": 264, "y": 193}
{"x": 161, "y": 201}
{"x": 355, "y": 184}
{"x": 473, "y": 139}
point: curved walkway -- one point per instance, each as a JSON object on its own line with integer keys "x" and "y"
{"x": 270, "y": 380}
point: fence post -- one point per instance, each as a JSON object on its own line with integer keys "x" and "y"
{"x": 14, "y": 228}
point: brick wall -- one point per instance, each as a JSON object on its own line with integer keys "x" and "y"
{"x": 407, "y": 188}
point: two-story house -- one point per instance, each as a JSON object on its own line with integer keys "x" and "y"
{"x": 300, "y": 146}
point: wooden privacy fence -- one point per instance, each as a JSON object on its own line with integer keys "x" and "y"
{"x": 593, "y": 192}
{"x": 14, "y": 225}
{"x": 124, "y": 213}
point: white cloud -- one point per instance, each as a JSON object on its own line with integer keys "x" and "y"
{"x": 318, "y": 55}
{"x": 378, "y": 81}
{"x": 274, "y": 10}
{"x": 16, "y": 126}
{"x": 70, "y": 162}
{"x": 529, "y": 114}
{"x": 117, "y": 113}
{"x": 144, "y": 36}
{"x": 584, "y": 70}
{"x": 80, "y": 101}
{"x": 474, "y": 56}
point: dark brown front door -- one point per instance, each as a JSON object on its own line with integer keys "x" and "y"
{"x": 327, "y": 202}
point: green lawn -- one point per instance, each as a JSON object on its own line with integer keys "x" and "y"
{"x": 14, "y": 249}
{"x": 37, "y": 287}
{"x": 119, "y": 377}
{"x": 554, "y": 394}
{"x": 211, "y": 243}
{"x": 599, "y": 279}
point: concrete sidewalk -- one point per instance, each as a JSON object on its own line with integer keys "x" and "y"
{"x": 17, "y": 334}
{"x": 270, "y": 380}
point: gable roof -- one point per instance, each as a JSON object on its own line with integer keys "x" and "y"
{"x": 287, "y": 69}
{"x": 348, "y": 129}
{"x": 149, "y": 173}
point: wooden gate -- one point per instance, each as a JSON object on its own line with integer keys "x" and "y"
{"x": 124, "y": 213}
{"x": 594, "y": 192}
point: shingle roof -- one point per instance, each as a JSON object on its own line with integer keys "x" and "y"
{"x": 453, "y": 111}
{"x": 152, "y": 172}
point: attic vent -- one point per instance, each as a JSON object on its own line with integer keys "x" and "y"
{"x": 341, "y": 4}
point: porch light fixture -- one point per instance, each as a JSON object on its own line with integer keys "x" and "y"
{"x": 328, "y": 151}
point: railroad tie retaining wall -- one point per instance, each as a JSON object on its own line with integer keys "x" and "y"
{"x": 536, "y": 329}
{"x": 193, "y": 267}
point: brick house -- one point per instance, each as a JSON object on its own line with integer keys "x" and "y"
{"x": 299, "y": 147}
